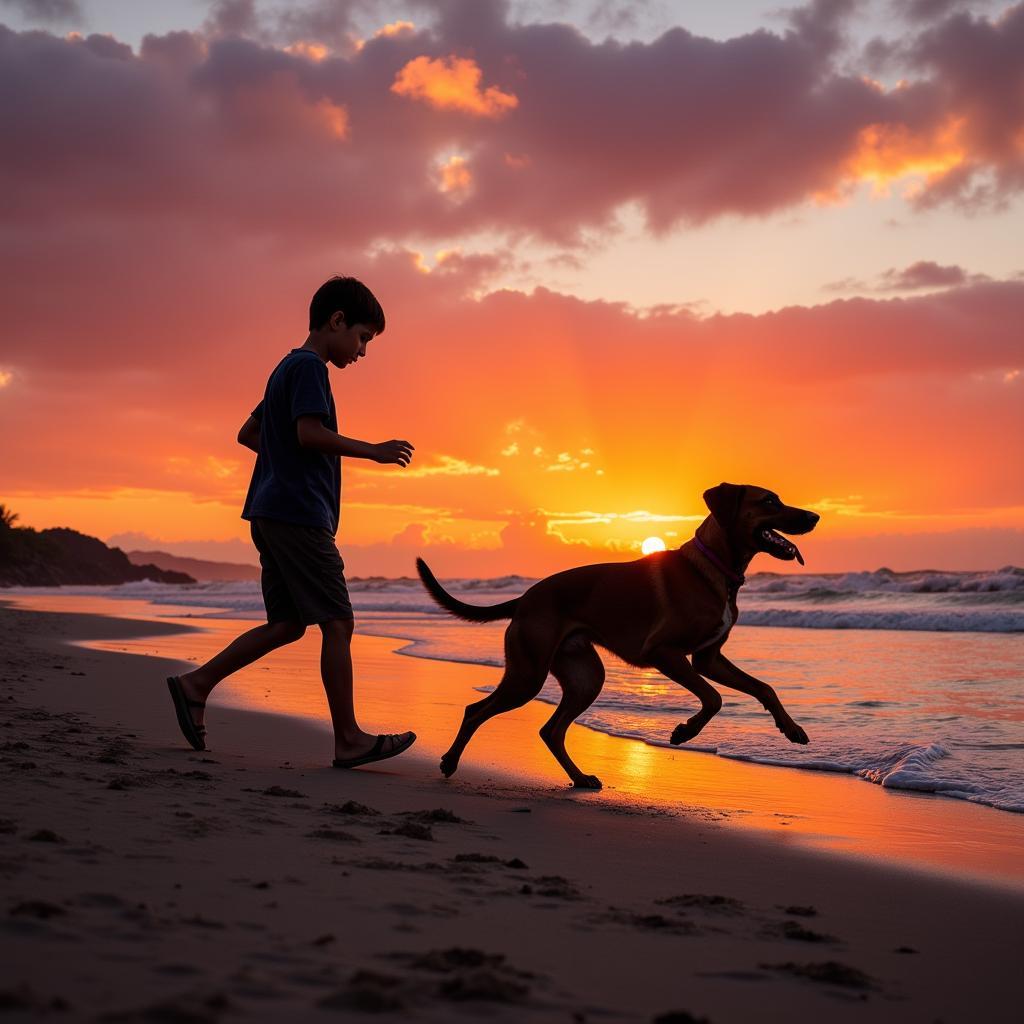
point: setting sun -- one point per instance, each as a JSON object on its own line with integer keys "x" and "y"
{"x": 652, "y": 544}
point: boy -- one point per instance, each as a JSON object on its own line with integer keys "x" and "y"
{"x": 293, "y": 507}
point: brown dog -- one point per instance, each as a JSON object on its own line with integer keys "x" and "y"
{"x": 651, "y": 612}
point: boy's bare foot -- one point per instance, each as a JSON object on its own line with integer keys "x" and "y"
{"x": 369, "y": 748}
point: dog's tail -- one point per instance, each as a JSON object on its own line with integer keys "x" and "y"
{"x": 469, "y": 612}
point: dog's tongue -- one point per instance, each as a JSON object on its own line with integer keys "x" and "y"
{"x": 787, "y": 546}
{"x": 794, "y": 551}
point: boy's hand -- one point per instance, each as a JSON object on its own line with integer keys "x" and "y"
{"x": 311, "y": 433}
{"x": 393, "y": 453}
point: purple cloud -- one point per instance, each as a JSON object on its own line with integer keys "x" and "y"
{"x": 46, "y": 11}
{"x": 923, "y": 274}
{"x": 232, "y": 131}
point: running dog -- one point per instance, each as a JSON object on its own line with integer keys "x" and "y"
{"x": 652, "y": 613}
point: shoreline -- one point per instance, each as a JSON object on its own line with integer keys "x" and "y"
{"x": 821, "y": 811}
{"x": 250, "y": 879}
{"x": 920, "y": 712}
{"x": 410, "y": 650}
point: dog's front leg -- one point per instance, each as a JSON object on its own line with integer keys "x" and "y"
{"x": 718, "y": 667}
{"x": 672, "y": 662}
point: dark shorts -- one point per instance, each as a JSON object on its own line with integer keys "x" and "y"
{"x": 303, "y": 575}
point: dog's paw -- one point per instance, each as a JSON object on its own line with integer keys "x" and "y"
{"x": 794, "y": 733}
{"x": 448, "y": 765}
{"x": 587, "y": 782}
{"x": 683, "y": 732}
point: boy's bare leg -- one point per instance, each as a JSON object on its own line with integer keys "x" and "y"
{"x": 242, "y": 651}
{"x": 336, "y": 671}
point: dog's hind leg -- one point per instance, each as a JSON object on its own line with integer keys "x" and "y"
{"x": 580, "y": 672}
{"x": 526, "y": 668}
{"x": 673, "y": 663}
{"x": 717, "y": 666}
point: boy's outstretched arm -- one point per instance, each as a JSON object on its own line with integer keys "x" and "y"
{"x": 313, "y": 434}
{"x": 249, "y": 435}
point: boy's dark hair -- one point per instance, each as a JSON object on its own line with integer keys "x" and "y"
{"x": 352, "y": 297}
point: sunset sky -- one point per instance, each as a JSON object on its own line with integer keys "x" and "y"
{"x": 626, "y": 251}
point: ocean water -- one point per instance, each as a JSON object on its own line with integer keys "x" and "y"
{"x": 905, "y": 680}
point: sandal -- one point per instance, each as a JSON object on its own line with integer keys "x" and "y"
{"x": 195, "y": 734}
{"x": 377, "y": 751}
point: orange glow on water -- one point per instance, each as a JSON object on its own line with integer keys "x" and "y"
{"x": 817, "y": 809}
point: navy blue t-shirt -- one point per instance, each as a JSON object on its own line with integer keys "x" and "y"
{"x": 291, "y": 483}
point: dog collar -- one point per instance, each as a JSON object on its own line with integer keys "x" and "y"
{"x": 737, "y": 579}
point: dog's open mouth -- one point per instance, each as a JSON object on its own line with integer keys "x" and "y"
{"x": 779, "y": 547}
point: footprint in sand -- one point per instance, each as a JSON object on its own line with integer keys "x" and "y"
{"x": 121, "y": 782}
{"x": 281, "y": 791}
{"x": 384, "y": 864}
{"x": 648, "y": 922}
{"x": 334, "y": 835}
{"x": 708, "y": 903}
{"x": 826, "y": 972}
{"x": 553, "y": 887}
{"x": 196, "y": 773}
{"x": 489, "y": 858}
{"x": 438, "y": 816}
{"x": 799, "y": 911}
{"x": 41, "y": 910}
{"x": 367, "y": 992}
{"x": 452, "y": 975}
{"x": 351, "y": 808}
{"x": 45, "y": 835}
{"x": 795, "y": 932}
{"x": 411, "y": 830}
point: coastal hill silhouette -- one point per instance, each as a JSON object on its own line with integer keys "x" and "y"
{"x": 59, "y": 556}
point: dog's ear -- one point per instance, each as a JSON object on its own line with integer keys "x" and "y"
{"x": 724, "y": 502}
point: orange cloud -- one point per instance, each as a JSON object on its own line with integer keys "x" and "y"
{"x": 452, "y": 84}
{"x": 216, "y": 128}
{"x": 455, "y": 175}
{"x": 884, "y": 153}
{"x": 333, "y": 117}
{"x": 394, "y": 28}
{"x": 315, "y": 52}
{"x": 280, "y": 105}
{"x": 446, "y": 465}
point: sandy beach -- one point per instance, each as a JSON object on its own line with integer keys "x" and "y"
{"x": 144, "y": 881}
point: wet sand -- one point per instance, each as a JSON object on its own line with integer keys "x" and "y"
{"x": 142, "y": 880}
